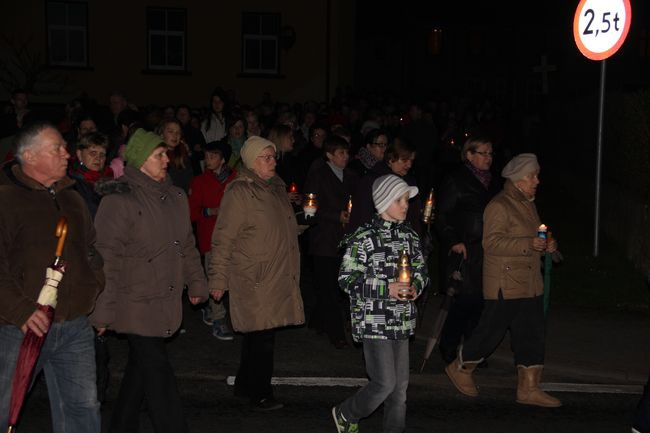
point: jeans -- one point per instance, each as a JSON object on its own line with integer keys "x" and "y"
{"x": 148, "y": 377}
{"x": 387, "y": 365}
{"x": 68, "y": 360}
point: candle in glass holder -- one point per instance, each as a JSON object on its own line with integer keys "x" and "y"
{"x": 310, "y": 205}
{"x": 293, "y": 187}
{"x": 404, "y": 275}
{"x": 542, "y": 231}
{"x": 428, "y": 208}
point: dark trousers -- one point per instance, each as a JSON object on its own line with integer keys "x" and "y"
{"x": 463, "y": 317}
{"x": 148, "y": 377}
{"x": 256, "y": 365}
{"x": 102, "y": 357}
{"x": 642, "y": 415}
{"x": 328, "y": 317}
{"x": 524, "y": 318}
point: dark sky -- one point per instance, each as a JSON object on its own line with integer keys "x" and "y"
{"x": 497, "y": 37}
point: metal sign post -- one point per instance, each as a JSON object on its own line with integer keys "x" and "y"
{"x": 599, "y": 154}
{"x": 599, "y": 29}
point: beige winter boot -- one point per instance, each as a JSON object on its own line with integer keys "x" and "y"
{"x": 460, "y": 374}
{"x": 528, "y": 391}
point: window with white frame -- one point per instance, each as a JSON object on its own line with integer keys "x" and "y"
{"x": 67, "y": 33}
{"x": 260, "y": 43}
{"x": 166, "y": 39}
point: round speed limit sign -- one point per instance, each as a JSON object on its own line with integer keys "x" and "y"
{"x": 600, "y": 27}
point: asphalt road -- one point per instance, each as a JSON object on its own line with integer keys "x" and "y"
{"x": 202, "y": 364}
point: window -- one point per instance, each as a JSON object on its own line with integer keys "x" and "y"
{"x": 260, "y": 42}
{"x": 166, "y": 39}
{"x": 67, "y": 33}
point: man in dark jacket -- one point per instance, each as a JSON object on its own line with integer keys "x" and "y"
{"x": 35, "y": 193}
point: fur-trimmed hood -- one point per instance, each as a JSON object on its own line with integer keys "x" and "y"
{"x": 107, "y": 185}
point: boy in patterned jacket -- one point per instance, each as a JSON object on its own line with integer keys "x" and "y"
{"x": 382, "y": 320}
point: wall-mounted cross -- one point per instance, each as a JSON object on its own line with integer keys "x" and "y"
{"x": 544, "y": 68}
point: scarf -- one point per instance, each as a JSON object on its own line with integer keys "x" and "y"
{"x": 78, "y": 171}
{"x": 367, "y": 159}
{"x": 484, "y": 176}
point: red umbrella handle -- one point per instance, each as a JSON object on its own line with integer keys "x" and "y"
{"x": 61, "y": 233}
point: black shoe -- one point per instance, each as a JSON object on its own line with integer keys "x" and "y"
{"x": 267, "y": 404}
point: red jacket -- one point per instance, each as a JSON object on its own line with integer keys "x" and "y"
{"x": 206, "y": 192}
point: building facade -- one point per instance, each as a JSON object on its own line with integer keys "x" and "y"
{"x": 173, "y": 51}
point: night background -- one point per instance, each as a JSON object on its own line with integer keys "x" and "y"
{"x": 508, "y": 70}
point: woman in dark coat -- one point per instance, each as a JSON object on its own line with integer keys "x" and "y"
{"x": 459, "y": 224}
{"x": 145, "y": 237}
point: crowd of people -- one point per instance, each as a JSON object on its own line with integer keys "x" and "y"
{"x": 214, "y": 203}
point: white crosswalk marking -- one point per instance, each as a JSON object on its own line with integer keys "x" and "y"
{"x": 312, "y": 381}
{"x": 588, "y": 388}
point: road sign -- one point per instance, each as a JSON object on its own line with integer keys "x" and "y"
{"x": 600, "y": 27}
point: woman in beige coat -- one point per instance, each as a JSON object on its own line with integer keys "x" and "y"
{"x": 512, "y": 286}
{"x": 255, "y": 256}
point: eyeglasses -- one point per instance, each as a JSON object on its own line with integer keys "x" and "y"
{"x": 96, "y": 154}
{"x": 380, "y": 144}
{"x": 267, "y": 158}
{"x": 484, "y": 154}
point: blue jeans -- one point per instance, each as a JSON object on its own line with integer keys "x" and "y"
{"x": 387, "y": 365}
{"x": 68, "y": 361}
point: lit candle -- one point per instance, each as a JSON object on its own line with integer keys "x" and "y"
{"x": 428, "y": 208}
{"x": 293, "y": 188}
{"x": 349, "y": 209}
{"x": 310, "y": 205}
{"x": 542, "y": 231}
{"x": 404, "y": 275}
